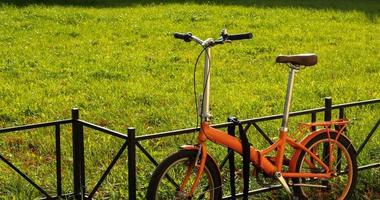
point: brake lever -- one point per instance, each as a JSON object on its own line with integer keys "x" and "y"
{"x": 224, "y": 34}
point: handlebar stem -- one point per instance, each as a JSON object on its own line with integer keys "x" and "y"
{"x": 205, "y": 112}
{"x": 207, "y": 43}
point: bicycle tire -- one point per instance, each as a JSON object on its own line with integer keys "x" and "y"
{"x": 334, "y": 189}
{"x": 159, "y": 186}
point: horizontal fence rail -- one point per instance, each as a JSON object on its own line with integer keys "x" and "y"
{"x": 34, "y": 126}
{"x": 258, "y": 119}
{"x": 131, "y": 142}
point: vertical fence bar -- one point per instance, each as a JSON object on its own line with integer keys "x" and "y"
{"x": 132, "y": 163}
{"x": 328, "y": 109}
{"x": 313, "y": 119}
{"x": 78, "y": 164}
{"x": 326, "y": 146}
{"x": 339, "y": 166}
{"x": 231, "y": 161}
{"x": 58, "y": 159}
{"x": 81, "y": 158}
{"x": 76, "y": 168}
{"x": 341, "y": 113}
{"x": 313, "y": 128}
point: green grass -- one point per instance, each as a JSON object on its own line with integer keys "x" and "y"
{"x": 118, "y": 62}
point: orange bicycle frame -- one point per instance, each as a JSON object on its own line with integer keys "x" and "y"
{"x": 258, "y": 157}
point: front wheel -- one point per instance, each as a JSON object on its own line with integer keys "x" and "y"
{"x": 174, "y": 177}
{"x": 342, "y": 184}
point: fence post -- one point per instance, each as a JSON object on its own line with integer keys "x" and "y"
{"x": 326, "y": 146}
{"x": 328, "y": 108}
{"x": 78, "y": 155}
{"x": 231, "y": 160}
{"x": 58, "y": 166}
{"x": 132, "y": 163}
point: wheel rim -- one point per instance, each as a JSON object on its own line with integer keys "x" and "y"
{"x": 338, "y": 186}
{"x": 166, "y": 189}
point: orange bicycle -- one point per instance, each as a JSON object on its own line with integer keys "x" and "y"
{"x": 322, "y": 164}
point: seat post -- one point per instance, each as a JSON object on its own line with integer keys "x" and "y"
{"x": 288, "y": 98}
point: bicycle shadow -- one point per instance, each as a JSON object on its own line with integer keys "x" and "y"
{"x": 371, "y": 8}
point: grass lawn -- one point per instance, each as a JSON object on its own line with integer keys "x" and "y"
{"x": 119, "y": 63}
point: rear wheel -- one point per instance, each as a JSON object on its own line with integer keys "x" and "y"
{"x": 341, "y": 185}
{"x": 168, "y": 177}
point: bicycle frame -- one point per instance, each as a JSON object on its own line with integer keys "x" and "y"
{"x": 258, "y": 157}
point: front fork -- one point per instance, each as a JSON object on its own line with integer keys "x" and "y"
{"x": 200, "y": 162}
{"x": 201, "y": 166}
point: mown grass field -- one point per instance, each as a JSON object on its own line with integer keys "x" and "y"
{"x": 118, "y": 62}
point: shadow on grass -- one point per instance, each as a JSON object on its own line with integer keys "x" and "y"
{"x": 370, "y": 7}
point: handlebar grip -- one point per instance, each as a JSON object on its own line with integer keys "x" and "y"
{"x": 184, "y": 36}
{"x": 240, "y": 36}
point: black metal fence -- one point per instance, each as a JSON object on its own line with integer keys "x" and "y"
{"x": 131, "y": 141}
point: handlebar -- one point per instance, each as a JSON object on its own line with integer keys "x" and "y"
{"x": 187, "y": 37}
{"x": 184, "y": 36}
{"x": 240, "y": 36}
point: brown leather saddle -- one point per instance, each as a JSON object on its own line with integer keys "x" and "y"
{"x": 299, "y": 59}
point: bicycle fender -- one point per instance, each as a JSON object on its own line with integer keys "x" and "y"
{"x": 196, "y": 148}
{"x": 293, "y": 161}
